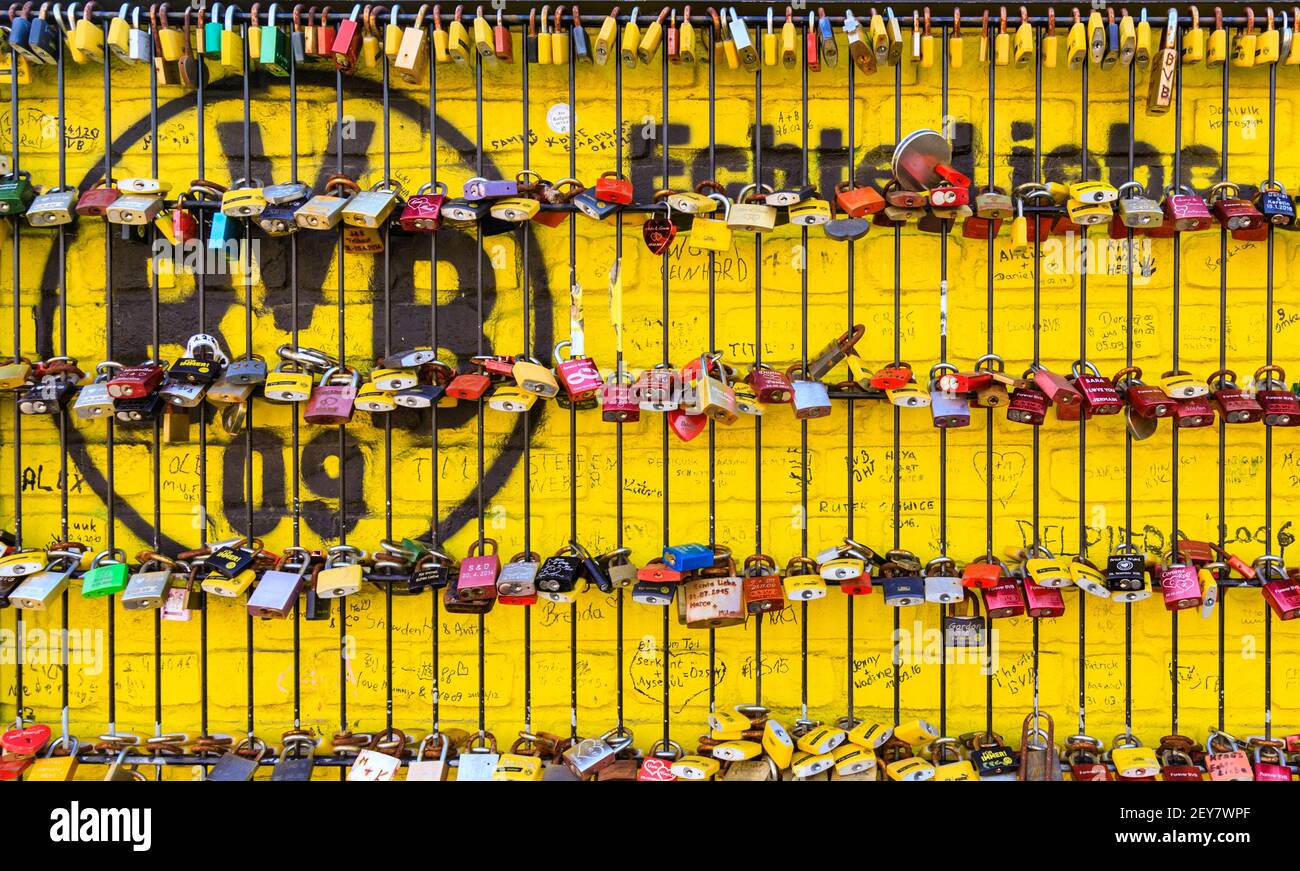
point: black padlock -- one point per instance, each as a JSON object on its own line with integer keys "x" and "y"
{"x": 231, "y": 559}
{"x": 594, "y": 573}
{"x": 141, "y": 409}
{"x": 559, "y": 573}
{"x": 1125, "y": 572}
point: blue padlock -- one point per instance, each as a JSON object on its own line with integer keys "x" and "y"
{"x": 19, "y": 32}
{"x": 900, "y": 592}
{"x": 688, "y": 557}
{"x": 592, "y": 207}
{"x": 1275, "y": 203}
{"x": 479, "y": 188}
{"x": 43, "y": 40}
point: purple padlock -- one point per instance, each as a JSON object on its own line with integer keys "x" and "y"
{"x": 479, "y": 188}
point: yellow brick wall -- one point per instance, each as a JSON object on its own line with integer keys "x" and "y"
{"x": 871, "y": 463}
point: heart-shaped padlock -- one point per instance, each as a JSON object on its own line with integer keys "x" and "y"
{"x": 686, "y": 426}
{"x": 658, "y": 232}
{"x": 26, "y": 741}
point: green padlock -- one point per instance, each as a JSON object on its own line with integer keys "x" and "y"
{"x": 16, "y": 193}
{"x": 275, "y": 46}
{"x": 212, "y": 32}
{"x": 107, "y": 575}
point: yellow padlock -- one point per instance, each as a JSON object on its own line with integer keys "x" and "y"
{"x": 769, "y": 41}
{"x": 1076, "y": 43}
{"x": 1127, "y": 38}
{"x": 559, "y": 40}
{"x": 483, "y": 40}
{"x": 1244, "y": 46}
{"x": 727, "y": 725}
{"x": 631, "y": 40}
{"x": 607, "y": 37}
{"x": 777, "y": 744}
{"x": 1022, "y": 50}
{"x": 956, "y": 48}
{"x": 911, "y": 768}
{"x": 1268, "y": 48}
{"x": 1002, "y": 42}
{"x": 1134, "y": 761}
{"x": 370, "y": 46}
{"x": 232, "y": 43}
{"x": 654, "y": 34}
{"x": 723, "y": 32}
{"x": 1051, "y": 42}
{"x": 956, "y": 771}
{"x": 879, "y": 36}
{"x": 88, "y": 38}
{"x": 1019, "y": 228}
{"x": 458, "y": 37}
{"x": 544, "y": 38}
{"x": 1194, "y": 40}
{"x": 1216, "y": 52}
{"x": 1142, "y": 41}
{"x": 172, "y": 40}
{"x": 253, "y": 33}
{"x": 789, "y": 40}
{"x": 1096, "y": 36}
{"x": 119, "y": 34}
{"x": 440, "y": 42}
{"x": 392, "y": 34}
{"x": 915, "y": 732}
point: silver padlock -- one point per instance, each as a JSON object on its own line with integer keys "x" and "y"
{"x": 478, "y": 762}
{"x": 139, "y": 41}
{"x": 1136, "y": 209}
{"x": 943, "y": 589}
{"x": 182, "y": 394}
{"x": 134, "y": 209}
{"x": 285, "y": 192}
{"x": 371, "y": 208}
{"x": 277, "y": 590}
{"x": 52, "y": 208}
{"x": 38, "y": 590}
{"x": 148, "y": 587}
{"x": 247, "y": 370}
{"x": 94, "y": 400}
{"x": 517, "y": 576}
{"x": 588, "y": 756}
{"x": 811, "y": 399}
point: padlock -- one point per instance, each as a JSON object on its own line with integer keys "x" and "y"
{"x": 1281, "y": 591}
{"x": 1180, "y": 586}
{"x": 18, "y": 373}
{"x": 709, "y": 234}
{"x": 330, "y": 403}
{"x": 478, "y": 571}
{"x": 1088, "y": 577}
{"x": 341, "y": 574}
{"x": 1186, "y": 211}
{"x": 374, "y": 399}
{"x": 715, "y": 601}
{"x": 1280, "y": 406}
{"x": 1042, "y": 602}
{"x": 371, "y": 208}
{"x": 107, "y": 575}
{"x": 803, "y": 583}
{"x": 1136, "y": 210}
{"x": 809, "y": 399}
{"x": 1234, "y": 404}
{"x": 133, "y": 209}
{"x": 860, "y": 52}
{"x": 142, "y": 409}
{"x": 423, "y": 212}
{"x": 811, "y": 212}
{"x": 277, "y": 589}
{"x": 559, "y": 573}
{"x": 947, "y": 409}
{"x": 1004, "y": 599}
{"x": 288, "y": 382}
{"x": 751, "y": 214}
{"x": 942, "y": 585}
{"x": 1126, "y": 575}
{"x": 901, "y": 590}
{"x": 325, "y": 211}
{"x": 763, "y": 591}
{"x": 617, "y": 399}
{"x": 94, "y": 400}
{"x": 578, "y": 374}
{"x": 712, "y": 396}
{"x": 16, "y": 193}
{"x": 963, "y": 624}
{"x": 52, "y": 208}
{"x": 202, "y": 363}
{"x": 38, "y": 589}
{"x": 518, "y": 577}
{"x": 148, "y": 587}
{"x": 587, "y": 757}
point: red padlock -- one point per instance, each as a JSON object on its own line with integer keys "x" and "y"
{"x": 1281, "y": 591}
{"x": 1057, "y": 388}
{"x": 617, "y": 400}
{"x": 1281, "y": 407}
{"x": 347, "y": 41}
{"x": 1234, "y": 404}
{"x": 1027, "y": 405}
{"x": 1185, "y": 211}
{"x": 478, "y": 572}
{"x": 1232, "y": 211}
{"x": 1193, "y": 412}
{"x": 770, "y": 385}
{"x": 611, "y": 187}
{"x": 1181, "y": 586}
{"x": 325, "y": 34}
{"x": 1098, "y": 392}
{"x": 469, "y": 386}
{"x": 1004, "y": 599}
{"x": 1043, "y": 602}
{"x": 892, "y": 377}
{"x": 579, "y": 375}
{"x": 858, "y": 201}
{"x": 94, "y": 203}
{"x": 1143, "y": 400}
{"x": 134, "y": 382}
{"x": 423, "y": 212}
{"x": 983, "y": 573}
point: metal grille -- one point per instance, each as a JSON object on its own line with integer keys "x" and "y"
{"x": 772, "y": 484}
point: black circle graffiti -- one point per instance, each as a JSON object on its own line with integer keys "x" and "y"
{"x": 459, "y": 246}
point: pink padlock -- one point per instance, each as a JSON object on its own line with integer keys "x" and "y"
{"x": 1181, "y": 586}
{"x": 1004, "y": 599}
{"x": 1225, "y": 760}
{"x": 1043, "y": 601}
{"x": 331, "y": 402}
{"x": 1281, "y": 590}
{"x": 423, "y": 212}
{"x": 1270, "y": 762}
{"x": 478, "y": 572}
{"x": 579, "y": 375}
{"x": 618, "y": 403}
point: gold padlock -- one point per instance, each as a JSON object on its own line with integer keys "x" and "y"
{"x": 607, "y": 36}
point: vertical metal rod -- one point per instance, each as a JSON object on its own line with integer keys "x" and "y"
{"x": 388, "y": 418}
{"x": 988, "y": 423}
{"x": 1174, "y": 465}
{"x": 943, "y": 433}
{"x": 435, "y": 471}
{"x": 478, "y": 278}
{"x": 246, "y": 266}
{"x": 1268, "y": 430}
{"x": 1083, "y": 421}
{"x": 295, "y": 412}
{"x": 526, "y": 281}
{"x": 342, "y": 433}
{"x": 898, "y": 355}
{"x": 157, "y": 428}
{"x": 14, "y": 136}
{"x": 667, "y": 533}
{"x": 803, "y": 423}
{"x": 573, "y": 406}
{"x": 618, "y": 427}
{"x": 1223, "y": 364}
{"x": 1128, "y": 435}
{"x": 850, "y": 462}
